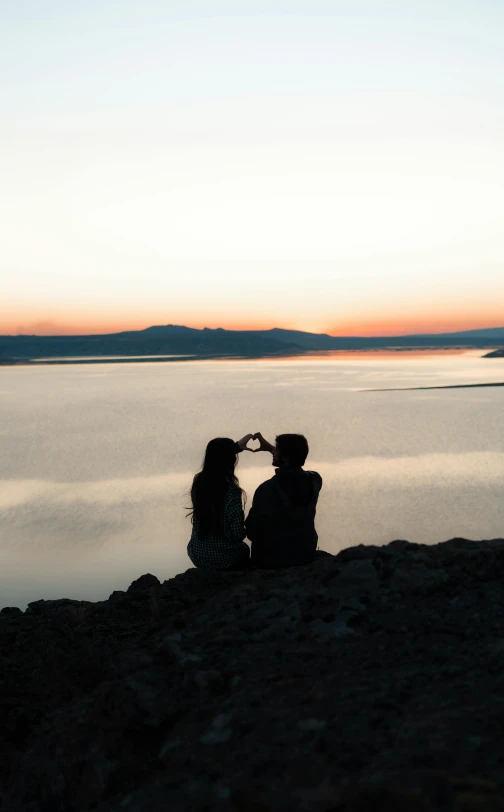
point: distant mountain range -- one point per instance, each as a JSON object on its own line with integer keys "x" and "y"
{"x": 176, "y": 340}
{"x": 322, "y": 341}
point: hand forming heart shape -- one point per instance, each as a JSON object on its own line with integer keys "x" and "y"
{"x": 263, "y": 444}
{"x": 253, "y": 439}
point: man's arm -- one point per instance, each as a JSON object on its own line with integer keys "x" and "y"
{"x": 259, "y": 512}
{"x": 264, "y": 445}
{"x": 317, "y": 479}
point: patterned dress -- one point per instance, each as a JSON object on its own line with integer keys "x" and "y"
{"x": 224, "y": 550}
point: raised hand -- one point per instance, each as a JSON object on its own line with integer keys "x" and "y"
{"x": 264, "y": 445}
{"x": 243, "y": 442}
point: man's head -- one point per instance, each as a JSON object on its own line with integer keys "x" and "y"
{"x": 291, "y": 450}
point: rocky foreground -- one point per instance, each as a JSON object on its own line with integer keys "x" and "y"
{"x": 371, "y": 680}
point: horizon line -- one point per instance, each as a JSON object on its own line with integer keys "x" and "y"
{"x": 253, "y": 330}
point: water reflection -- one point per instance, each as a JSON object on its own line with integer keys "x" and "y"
{"x": 95, "y": 468}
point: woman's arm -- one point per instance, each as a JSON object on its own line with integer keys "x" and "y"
{"x": 234, "y": 517}
{"x": 241, "y": 445}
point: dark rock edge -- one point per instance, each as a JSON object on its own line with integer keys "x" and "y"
{"x": 369, "y": 680}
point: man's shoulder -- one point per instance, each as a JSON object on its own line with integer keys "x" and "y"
{"x": 317, "y": 479}
{"x": 268, "y": 483}
{"x": 266, "y": 486}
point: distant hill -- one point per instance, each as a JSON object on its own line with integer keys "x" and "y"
{"x": 489, "y": 333}
{"x": 170, "y": 340}
{"x": 173, "y": 339}
{"x": 310, "y": 341}
{"x": 322, "y": 341}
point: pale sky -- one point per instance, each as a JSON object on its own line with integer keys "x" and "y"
{"x": 329, "y": 166}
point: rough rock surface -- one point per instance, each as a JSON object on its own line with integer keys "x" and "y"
{"x": 370, "y": 680}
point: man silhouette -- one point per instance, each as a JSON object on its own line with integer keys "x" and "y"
{"x": 281, "y": 521}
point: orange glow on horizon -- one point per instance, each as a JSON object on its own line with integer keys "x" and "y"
{"x": 415, "y": 326}
{"x": 41, "y": 319}
{"x": 348, "y": 329}
{"x": 102, "y": 326}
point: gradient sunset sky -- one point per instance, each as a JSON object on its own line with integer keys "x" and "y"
{"x": 325, "y": 166}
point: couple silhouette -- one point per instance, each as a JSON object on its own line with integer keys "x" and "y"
{"x": 281, "y": 522}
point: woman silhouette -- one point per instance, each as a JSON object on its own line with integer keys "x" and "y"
{"x": 218, "y": 521}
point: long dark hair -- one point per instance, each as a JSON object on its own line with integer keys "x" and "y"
{"x": 211, "y": 484}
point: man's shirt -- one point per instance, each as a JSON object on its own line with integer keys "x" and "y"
{"x": 281, "y": 521}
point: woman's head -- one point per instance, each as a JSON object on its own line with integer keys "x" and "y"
{"x": 211, "y": 484}
{"x": 220, "y": 457}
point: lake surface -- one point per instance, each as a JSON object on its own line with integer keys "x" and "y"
{"x": 96, "y": 460}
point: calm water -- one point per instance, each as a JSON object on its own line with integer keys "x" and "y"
{"x": 96, "y": 461}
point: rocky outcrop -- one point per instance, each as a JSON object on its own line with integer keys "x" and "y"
{"x": 495, "y": 354}
{"x": 370, "y": 680}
